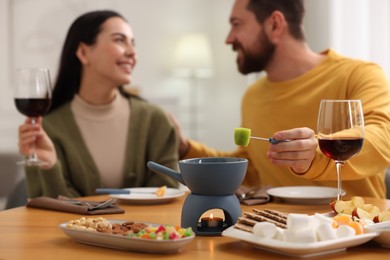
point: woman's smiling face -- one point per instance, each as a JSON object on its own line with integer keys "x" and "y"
{"x": 113, "y": 56}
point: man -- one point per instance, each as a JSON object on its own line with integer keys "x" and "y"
{"x": 268, "y": 36}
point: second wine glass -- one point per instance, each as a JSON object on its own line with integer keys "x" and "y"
{"x": 340, "y": 130}
{"x": 33, "y": 99}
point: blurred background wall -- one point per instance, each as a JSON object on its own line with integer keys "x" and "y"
{"x": 207, "y": 99}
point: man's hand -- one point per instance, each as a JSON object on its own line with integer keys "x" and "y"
{"x": 298, "y": 153}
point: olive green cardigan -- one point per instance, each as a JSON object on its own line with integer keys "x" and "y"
{"x": 151, "y": 137}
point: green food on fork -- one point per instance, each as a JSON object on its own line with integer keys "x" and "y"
{"x": 242, "y": 137}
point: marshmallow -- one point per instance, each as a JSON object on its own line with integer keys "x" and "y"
{"x": 298, "y": 222}
{"x": 307, "y": 235}
{"x": 302, "y": 228}
{"x": 279, "y": 233}
{"x": 326, "y": 232}
{"x": 265, "y": 229}
{"x": 322, "y": 219}
{"x": 345, "y": 231}
{"x": 319, "y": 219}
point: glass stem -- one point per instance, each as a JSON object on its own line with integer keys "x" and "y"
{"x": 33, "y": 156}
{"x": 339, "y": 164}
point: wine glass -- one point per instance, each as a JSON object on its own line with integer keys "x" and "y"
{"x": 32, "y": 97}
{"x": 340, "y": 132}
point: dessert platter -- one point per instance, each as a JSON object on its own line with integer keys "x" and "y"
{"x": 351, "y": 223}
{"x": 128, "y": 235}
{"x": 298, "y": 249}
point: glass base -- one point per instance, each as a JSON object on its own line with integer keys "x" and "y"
{"x": 32, "y": 162}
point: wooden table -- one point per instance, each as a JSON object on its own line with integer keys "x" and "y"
{"x": 29, "y": 233}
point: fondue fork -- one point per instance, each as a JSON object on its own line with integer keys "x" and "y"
{"x": 247, "y": 195}
{"x": 271, "y": 140}
{"x": 121, "y": 191}
{"x": 102, "y": 205}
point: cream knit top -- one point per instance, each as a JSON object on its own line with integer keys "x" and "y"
{"x": 104, "y": 129}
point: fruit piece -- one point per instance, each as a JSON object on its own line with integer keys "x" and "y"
{"x": 359, "y": 209}
{"x": 173, "y": 236}
{"x": 367, "y": 207}
{"x": 242, "y": 136}
{"x": 359, "y": 214}
{"x": 161, "y": 228}
{"x": 160, "y": 192}
{"x": 384, "y": 216}
{"x": 331, "y": 204}
{"x": 363, "y": 214}
{"x": 357, "y": 226}
{"x": 357, "y": 201}
{"x": 375, "y": 211}
{"x": 367, "y": 212}
{"x": 343, "y": 207}
{"x": 346, "y": 207}
{"x": 342, "y": 220}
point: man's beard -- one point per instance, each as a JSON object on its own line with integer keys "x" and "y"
{"x": 255, "y": 61}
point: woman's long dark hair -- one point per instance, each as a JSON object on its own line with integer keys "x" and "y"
{"x": 83, "y": 30}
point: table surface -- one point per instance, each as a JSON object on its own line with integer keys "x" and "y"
{"x": 29, "y": 233}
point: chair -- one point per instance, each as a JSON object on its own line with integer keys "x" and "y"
{"x": 18, "y": 196}
{"x": 10, "y": 174}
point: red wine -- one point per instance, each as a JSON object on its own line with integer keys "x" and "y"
{"x": 33, "y": 107}
{"x": 340, "y": 149}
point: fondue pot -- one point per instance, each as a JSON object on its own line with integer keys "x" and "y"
{"x": 212, "y": 182}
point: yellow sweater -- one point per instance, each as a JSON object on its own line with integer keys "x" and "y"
{"x": 268, "y": 107}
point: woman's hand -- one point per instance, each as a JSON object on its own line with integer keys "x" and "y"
{"x": 298, "y": 153}
{"x": 33, "y": 134}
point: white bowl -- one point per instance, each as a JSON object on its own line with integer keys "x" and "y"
{"x": 383, "y": 229}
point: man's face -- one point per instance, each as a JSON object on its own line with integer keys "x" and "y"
{"x": 249, "y": 40}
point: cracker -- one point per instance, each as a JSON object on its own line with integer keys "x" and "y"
{"x": 275, "y": 216}
{"x": 261, "y": 218}
{"x": 243, "y": 227}
{"x": 247, "y": 221}
{"x": 250, "y": 219}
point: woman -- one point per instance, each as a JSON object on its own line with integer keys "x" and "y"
{"x": 96, "y": 134}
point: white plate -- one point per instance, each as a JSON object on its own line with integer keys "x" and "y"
{"x": 305, "y": 194}
{"x": 298, "y": 249}
{"x": 125, "y": 243}
{"x": 148, "y": 196}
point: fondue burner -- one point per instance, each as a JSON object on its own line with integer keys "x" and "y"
{"x": 212, "y": 182}
{"x": 195, "y": 205}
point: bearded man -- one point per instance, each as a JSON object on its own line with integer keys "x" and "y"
{"x": 268, "y": 36}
